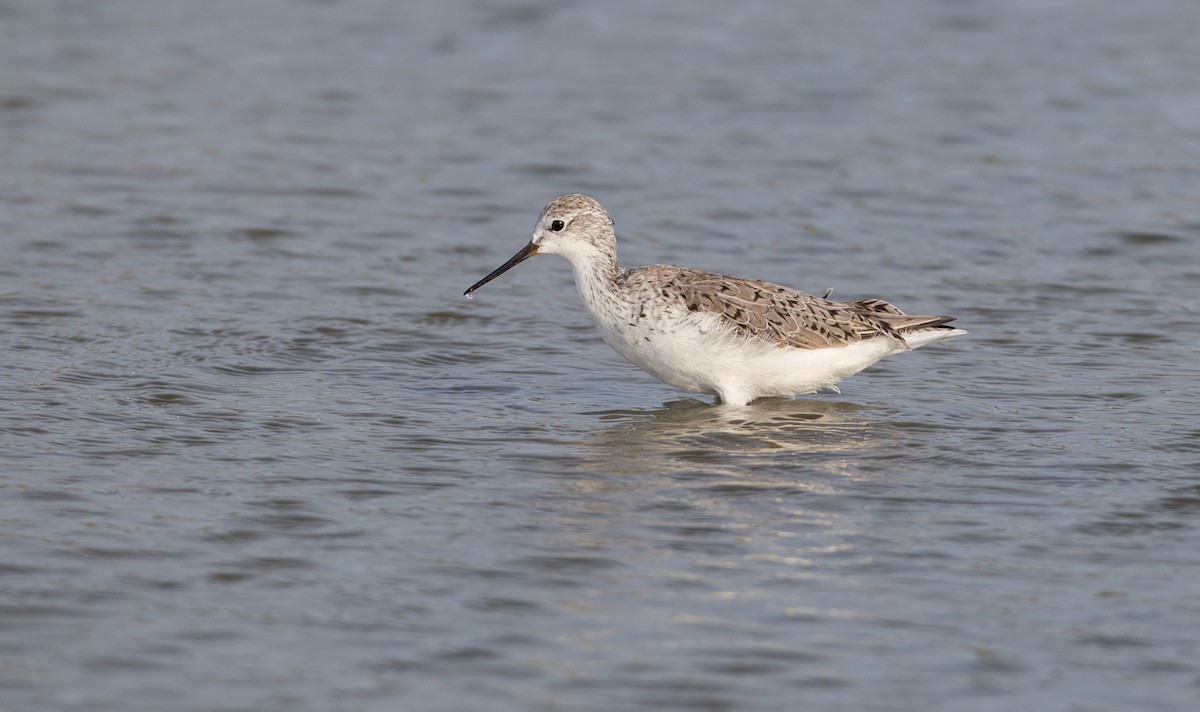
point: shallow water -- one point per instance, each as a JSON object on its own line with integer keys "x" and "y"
{"x": 259, "y": 454}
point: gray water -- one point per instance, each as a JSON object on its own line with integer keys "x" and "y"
{"x": 258, "y": 453}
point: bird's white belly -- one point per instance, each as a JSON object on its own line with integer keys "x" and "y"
{"x": 698, "y": 353}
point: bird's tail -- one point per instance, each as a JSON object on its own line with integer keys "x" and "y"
{"x": 912, "y": 330}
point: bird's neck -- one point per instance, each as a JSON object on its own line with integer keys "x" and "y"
{"x": 596, "y": 278}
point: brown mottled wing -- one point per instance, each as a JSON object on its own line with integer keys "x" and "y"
{"x": 781, "y": 315}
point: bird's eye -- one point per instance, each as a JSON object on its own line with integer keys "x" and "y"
{"x": 557, "y": 226}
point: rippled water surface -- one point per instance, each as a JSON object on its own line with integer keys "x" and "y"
{"x": 259, "y": 453}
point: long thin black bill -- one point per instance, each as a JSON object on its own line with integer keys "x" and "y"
{"x": 526, "y": 252}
